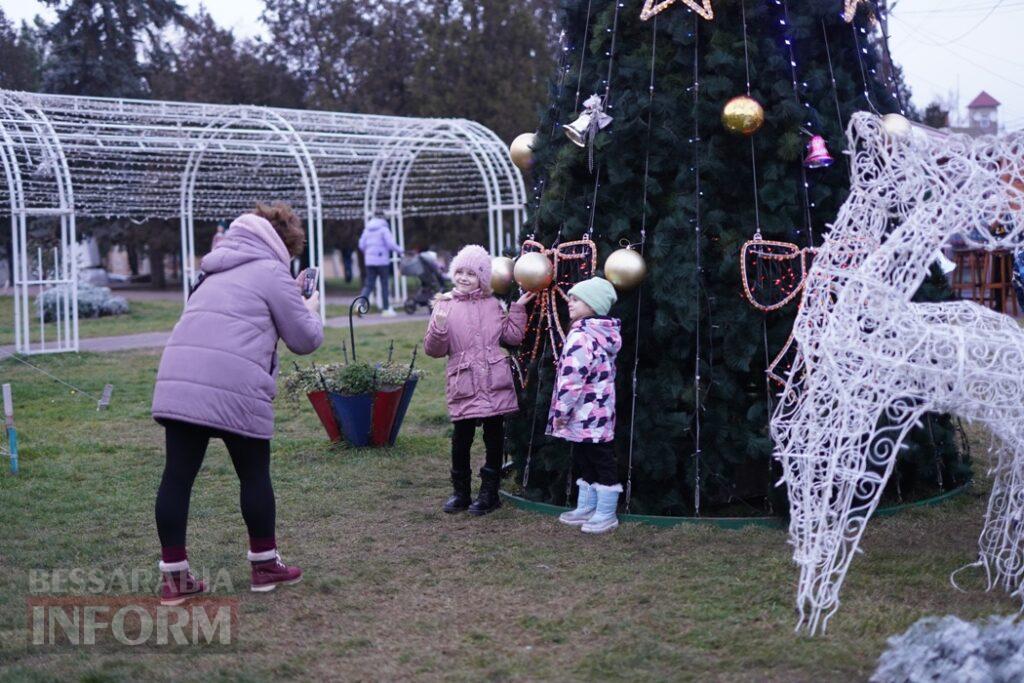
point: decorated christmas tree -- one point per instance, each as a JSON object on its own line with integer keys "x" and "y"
{"x": 687, "y": 187}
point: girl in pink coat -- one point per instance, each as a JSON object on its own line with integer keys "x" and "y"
{"x": 469, "y": 326}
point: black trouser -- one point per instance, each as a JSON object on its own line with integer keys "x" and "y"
{"x": 595, "y": 463}
{"x": 186, "y": 447}
{"x": 462, "y": 440}
{"x": 374, "y": 273}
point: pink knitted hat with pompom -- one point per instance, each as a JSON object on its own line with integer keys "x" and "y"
{"x": 475, "y": 258}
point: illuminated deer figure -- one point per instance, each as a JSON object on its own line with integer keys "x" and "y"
{"x": 870, "y": 363}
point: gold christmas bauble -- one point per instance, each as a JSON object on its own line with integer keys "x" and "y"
{"x": 533, "y": 271}
{"x": 896, "y": 125}
{"x": 501, "y": 274}
{"x": 521, "y": 151}
{"x": 625, "y": 268}
{"x": 743, "y": 115}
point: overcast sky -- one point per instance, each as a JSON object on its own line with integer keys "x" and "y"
{"x": 944, "y": 45}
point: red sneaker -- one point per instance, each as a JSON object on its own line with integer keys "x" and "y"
{"x": 268, "y": 574}
{"x": 178, "y": 583}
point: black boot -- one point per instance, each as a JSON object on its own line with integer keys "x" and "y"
{"x": 461, "y": 497}
{"x": 488, "y": 500}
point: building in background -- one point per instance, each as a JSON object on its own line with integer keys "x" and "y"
{"x": 982, "y": 116}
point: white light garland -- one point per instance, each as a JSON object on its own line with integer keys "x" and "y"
{"x": 126, "y": 156}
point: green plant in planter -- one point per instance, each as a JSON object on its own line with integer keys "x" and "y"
{"x": 354, "y": 379}
{"x": 305, "y": 380}
{"x": 395, "y": 374}
{"x": 347, "y": 379}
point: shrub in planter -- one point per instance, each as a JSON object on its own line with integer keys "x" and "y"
{"x": 93, "y": 301}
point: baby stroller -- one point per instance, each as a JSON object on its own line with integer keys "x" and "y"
{"x": 432, "y": 279}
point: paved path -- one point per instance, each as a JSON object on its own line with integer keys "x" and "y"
{"x": 148, "y": 340}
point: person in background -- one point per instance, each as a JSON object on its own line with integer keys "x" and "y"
{"x": 217, "y": 381}
{"x": 346, "y": 262}
{"x": 377, "y": 244}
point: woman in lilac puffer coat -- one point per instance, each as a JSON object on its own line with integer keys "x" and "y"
{"x": 377, "y": 244}
{"x": 469, "y": 326}
{"x": 217, "y": 380}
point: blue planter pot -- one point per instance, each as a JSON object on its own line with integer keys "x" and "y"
{"x": 354, "y": 415}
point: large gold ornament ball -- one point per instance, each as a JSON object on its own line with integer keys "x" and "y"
{"x": 743, "y": 115}
{"x": 501, "y": 274}
{"x": 625, "y": 268}
{"x": 521, "y": 151}
{"x": 896, "y": 125}
{"x": 533, "y": 271}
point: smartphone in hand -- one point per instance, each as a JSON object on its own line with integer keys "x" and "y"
{"x": 310, "y": 282}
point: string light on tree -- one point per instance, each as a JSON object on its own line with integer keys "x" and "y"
{"x": 652, "y": 8}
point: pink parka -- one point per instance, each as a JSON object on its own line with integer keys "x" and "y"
{"x": 479, "y": 375}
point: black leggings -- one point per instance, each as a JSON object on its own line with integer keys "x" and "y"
{"x": 186, "y": 447}
{"x": 462, "y": 441}
{"x": 595, "y": 463}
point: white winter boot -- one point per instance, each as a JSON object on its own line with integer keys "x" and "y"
{"x": 586, "y": 503}
{"x": 604, "y": 519}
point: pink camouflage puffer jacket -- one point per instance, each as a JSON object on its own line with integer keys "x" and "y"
{"x": 583, "y": 400}
{"x": 479, "y": 374}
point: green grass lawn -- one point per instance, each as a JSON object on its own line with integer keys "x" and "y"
{"x": 394, "y": 589}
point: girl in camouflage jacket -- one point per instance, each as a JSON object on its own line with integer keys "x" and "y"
{"x": 583, "y": 404}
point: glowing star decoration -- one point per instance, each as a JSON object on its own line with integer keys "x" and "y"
{"x": 850, "y": 10}
{"x": 870, "y": 363}
{"x": 651, "y": 8}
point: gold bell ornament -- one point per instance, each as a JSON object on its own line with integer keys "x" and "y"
{"x": 521, "y": 151}
{"x": 625, "y": 268}
{"x": 743, "y": 115}
{"x": 533, "y": 271}
{"x": 501, "y": 274}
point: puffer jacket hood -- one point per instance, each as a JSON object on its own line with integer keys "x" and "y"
{"x": 377, "y": 243}
{"x": 606, "y": 332}
{"x": 238, "y": 247}
{"x": 377, "y": 224}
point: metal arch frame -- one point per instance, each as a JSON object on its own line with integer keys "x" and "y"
{"x": 491, "y": 159}
{"x": 307, "y": 172}
{"x": 144, "y": 159}
{"x": 66, "y": 262}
